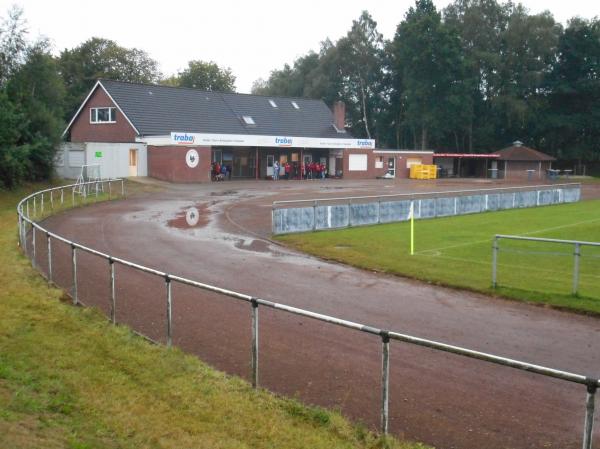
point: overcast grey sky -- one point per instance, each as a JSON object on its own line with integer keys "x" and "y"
{"x": 250, "y": 37}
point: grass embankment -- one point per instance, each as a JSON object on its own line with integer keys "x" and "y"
{"x": 457, "y": 251}
{"x": 69, "y": 379}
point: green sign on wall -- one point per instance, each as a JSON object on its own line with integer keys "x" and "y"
{"x": 98, "y": 153}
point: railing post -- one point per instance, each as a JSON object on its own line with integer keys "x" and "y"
{"x": 51, "y": 200}
{"x": 576, "y": 256}
{"x": 494, "y": 262}
{"x": 34, "y": 206}
{"x": 33, "y": 245}
{"x": 122, "y": 188}
{"x": 169, "y": 311}
{"x": 27, "y": 203}
{"x": 20, "y": 224}
{"x": 109, "y": 190}
{"x": 254, "y": 303}
{"x": 385, "y": 383}
{"x": 62, "y": 196}
{"x": 42, "y": 204}
{"x": 73, "y": 197}
{"x": 25, "y": 236}
{"x": 74, "y": 259}
{"x": 113, "y": 299}
{"x": 49, "y": 241}
{"x": 96, "y": 191}
{"x": 589, "y": 417}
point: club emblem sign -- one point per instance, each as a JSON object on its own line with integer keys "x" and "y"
{"x": 192, "y": 158}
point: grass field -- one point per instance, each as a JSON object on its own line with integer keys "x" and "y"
{"x": 457, "y": 251}
{"x": 69, "y": 379}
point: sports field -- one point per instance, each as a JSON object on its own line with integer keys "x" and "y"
{"x": 457, "y": 251}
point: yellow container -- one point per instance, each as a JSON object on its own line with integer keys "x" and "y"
{"x": 423, "y": 172}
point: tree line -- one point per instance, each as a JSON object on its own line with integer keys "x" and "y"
{"x": 39, "y": 92}
{"x": 470, "y": 78}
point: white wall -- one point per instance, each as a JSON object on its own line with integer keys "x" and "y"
{"x": 113, "y": 158}
{"x": 66, "y": 156}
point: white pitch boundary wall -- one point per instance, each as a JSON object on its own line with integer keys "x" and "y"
{"x": 113, "y": 159}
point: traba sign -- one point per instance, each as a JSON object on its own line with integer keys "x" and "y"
{"x": 245, "y": 140}
{"x": 183, "y": 138}
{"x": 283, "y": 141}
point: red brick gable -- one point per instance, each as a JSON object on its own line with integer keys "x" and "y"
{"x": 84, "y": 131}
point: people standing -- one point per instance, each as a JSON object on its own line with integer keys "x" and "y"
{"x": 275, "y": 171}
{"x": 288, "y": 170}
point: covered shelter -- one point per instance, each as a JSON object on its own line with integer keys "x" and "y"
{"x": 521, "y": 162}
{"x": 467, "y": 165}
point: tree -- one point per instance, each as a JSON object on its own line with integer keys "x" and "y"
{"x": 573, "y": 118}
{"x": 427, "y": 54}
{"x": 12, "y": 43}
{"x": 102, "y": 58}
{"x": 37, "y": 91}
{"x": 205, "y": 76}
{"x": 360, "y": 56}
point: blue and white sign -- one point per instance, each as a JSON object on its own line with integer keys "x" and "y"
{"x": 241, "y": 140}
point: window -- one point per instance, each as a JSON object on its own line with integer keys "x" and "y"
{"x": 295, "y": 105}
{"x": 357, "y": 162}
{"x": 379, "y": 162}
{"x": 248, "y": 120}
{"x": 103, "y": 115}
{"x": 273, "y": 103}
{"x": 413, "y": 161}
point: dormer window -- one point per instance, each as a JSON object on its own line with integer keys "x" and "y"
{"x": 248, "y": 120}
{"x": 295, "y": 105}
{"x": 272, "y": 103}
{"x": 103, "y": 115}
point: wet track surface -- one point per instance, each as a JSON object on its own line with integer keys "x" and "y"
{"x": 215, "y": 234}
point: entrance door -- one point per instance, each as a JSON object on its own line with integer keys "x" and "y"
{"x": 270, "y": 160}
{"x": 392, "y": 166}
{"x": 133, "y": 162}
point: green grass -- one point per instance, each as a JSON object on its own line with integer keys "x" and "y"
{"x": 69, "y": 379}
{"x": 457, "y": 252}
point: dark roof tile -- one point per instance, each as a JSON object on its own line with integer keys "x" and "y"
{"x": 159, "y": 110}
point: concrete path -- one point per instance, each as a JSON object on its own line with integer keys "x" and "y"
{"x": 440, "y": 399}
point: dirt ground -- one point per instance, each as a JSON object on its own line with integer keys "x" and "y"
{"x": 218, "y": 234}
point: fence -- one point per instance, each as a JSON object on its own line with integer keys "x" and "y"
{"x": 25, "y": 221}
{"x": 576, "y": 254}
{"x": 332, "y": 213}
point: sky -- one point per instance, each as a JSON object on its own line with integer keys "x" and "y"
{"x": 252, "y": 37}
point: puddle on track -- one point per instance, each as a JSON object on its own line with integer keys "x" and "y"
{"x": 196, "y": 216}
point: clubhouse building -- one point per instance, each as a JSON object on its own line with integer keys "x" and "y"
{"x": 180, "y": 134}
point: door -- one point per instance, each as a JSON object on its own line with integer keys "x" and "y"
{"x": 270, "y": 160}
{"x": 133, "y": 162}
{"x": 391, "y": 169}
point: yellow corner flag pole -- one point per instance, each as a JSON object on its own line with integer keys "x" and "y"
{"x": 412, "y": 228}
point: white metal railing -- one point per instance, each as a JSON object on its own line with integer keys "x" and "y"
{"x": 577, "y": 244}
{"x": 25, "y": 221}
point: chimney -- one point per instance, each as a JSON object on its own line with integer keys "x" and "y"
{"x": 339, "y": 116}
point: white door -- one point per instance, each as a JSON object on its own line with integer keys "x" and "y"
{"x": 392, "y": 166}
{"x": 133, "y": 162}
{"x": 270, "y": 160}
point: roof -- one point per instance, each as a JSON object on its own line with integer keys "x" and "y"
{"x": 519, "y": 152}
{"x": 158, "y": 110}
{"x": 468, "y": 155}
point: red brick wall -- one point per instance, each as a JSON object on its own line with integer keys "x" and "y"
{"x": 372, "y": 172}
{"x": 84, "y": 131}
{"x": 168, "y": 163}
